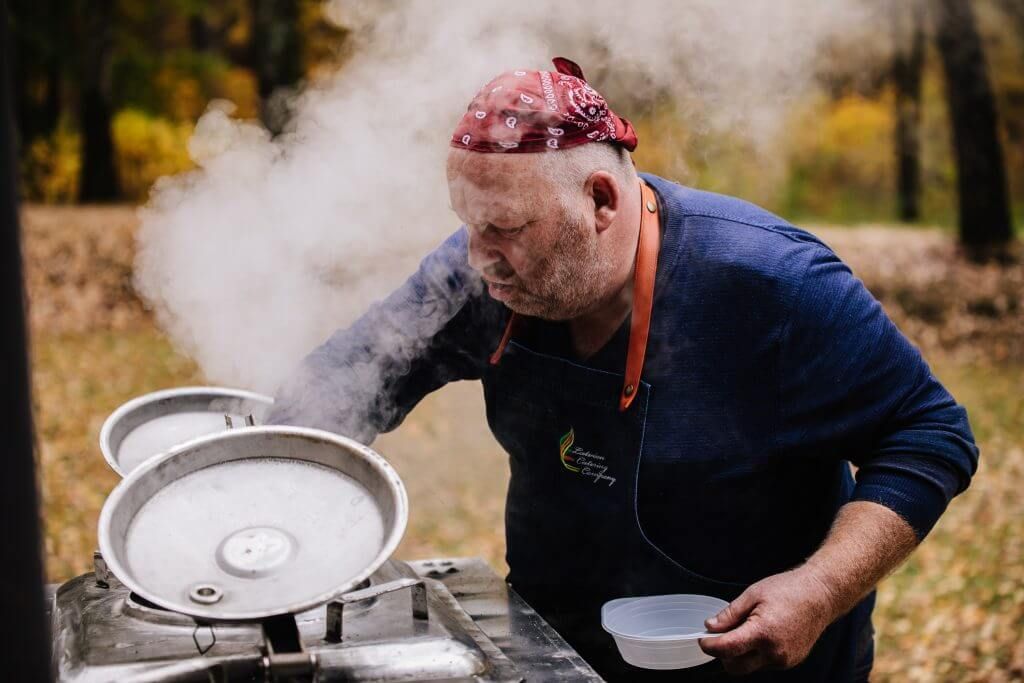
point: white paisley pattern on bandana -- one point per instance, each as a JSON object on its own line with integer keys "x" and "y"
{"x": 540, "y": 110}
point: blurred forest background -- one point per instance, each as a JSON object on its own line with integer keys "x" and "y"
{"x": 911, "y": 168}
{"x": 108, "y": 94}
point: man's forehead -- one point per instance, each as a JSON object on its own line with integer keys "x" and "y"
{"x": 493, "y": 170}
{"x": 495, "y": 187}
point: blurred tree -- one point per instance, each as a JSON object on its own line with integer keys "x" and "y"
{"x": 94, "y": 22}
{"x": 157, "y": 66}
{"x": 23, "y": 631}
{"x": 275, "y": 56}
{"x": 908, "y": 63}
{"x": 325, "y": 44}
{"x": 984, "y": 206}
{"x": 1015, "y": 10}
{"x": 218, "y": 28}
{"x": 36, "y": 68}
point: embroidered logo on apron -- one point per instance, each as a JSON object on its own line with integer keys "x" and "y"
{"x": 582, "y": 462}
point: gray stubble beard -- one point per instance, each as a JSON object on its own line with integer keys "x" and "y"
{"x": 570, "y": 279}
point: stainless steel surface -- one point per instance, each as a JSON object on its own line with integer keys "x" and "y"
{"x": 336, "y": 608}
{"x": 278, "y": 519}
{"x": 100, "y": 569}
{"x": 507, "y": 620}
{"x": 477, "y": 630}
{"x": 144, "y": 409}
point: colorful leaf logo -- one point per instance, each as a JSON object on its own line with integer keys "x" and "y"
{"x": 564, "y": 444}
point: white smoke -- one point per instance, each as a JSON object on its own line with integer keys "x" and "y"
{"x": 271, "y": 244}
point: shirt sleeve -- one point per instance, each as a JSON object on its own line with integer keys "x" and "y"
{"x": 365, "y": 379}
{"x": 854, "y": 386}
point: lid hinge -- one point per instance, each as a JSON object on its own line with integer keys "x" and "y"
{"x": 284, "y": 657}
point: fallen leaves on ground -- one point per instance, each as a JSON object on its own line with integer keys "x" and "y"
{"x": 954, "y": 612}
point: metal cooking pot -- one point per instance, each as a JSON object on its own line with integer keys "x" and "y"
{"x": 253, "y": 523}
{"x": 156, "y": 422}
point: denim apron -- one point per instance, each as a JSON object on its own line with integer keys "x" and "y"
{"x": 574, "y": 536}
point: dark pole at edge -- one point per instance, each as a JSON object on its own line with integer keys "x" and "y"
{"x": 24, "y": 637}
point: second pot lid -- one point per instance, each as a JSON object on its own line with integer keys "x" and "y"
{"x": 155, "y": 423}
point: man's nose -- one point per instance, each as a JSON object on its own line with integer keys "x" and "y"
{"x": 482, "y": 252}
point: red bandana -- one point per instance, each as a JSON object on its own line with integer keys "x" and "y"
{"x": 536, "y": 111}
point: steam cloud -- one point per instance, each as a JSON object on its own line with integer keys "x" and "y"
{"x": 271, "y": 244}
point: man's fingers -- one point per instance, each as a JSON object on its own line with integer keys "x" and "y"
{"x": 745, "y": 664}
{"x": 738, "y": 642}
{"x": 734, "y": 613}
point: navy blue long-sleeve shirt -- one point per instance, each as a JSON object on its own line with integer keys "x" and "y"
{"x": 771, "y": 366}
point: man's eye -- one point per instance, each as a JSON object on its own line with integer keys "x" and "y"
{"x": 501, "y": 232}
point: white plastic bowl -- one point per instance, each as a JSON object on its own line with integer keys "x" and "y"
{"x": 661, "y": 631}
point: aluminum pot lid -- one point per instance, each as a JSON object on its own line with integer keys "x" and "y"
{"x": 252, "y": 523}
{"x": 155, "y": 423}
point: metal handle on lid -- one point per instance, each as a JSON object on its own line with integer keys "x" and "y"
{"x": 250, "y": 421}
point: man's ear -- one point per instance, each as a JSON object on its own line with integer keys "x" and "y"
{"x": 604, "y": 190}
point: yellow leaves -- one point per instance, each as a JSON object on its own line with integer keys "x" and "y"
{"x": 182, "y": 95}
{"x": 841, "y": 155}
{"x": 832, "y": 157}
{"x": 147, "y": 148}
{"x": 50, "y": 171}
{"x": 664, "y": 142}
{"x": 854, "y": 123}
{"x": 239, "y": 87}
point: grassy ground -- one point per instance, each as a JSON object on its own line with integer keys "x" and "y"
{"x": 954, "y": 612}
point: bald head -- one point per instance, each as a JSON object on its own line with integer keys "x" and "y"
{"x": 562, "y": 173}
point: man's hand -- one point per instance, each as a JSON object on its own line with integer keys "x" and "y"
{"x": 773, "y": 624}
{"x": 776, "y": 621}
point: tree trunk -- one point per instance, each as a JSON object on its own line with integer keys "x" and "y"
{"x": 906, "y": 71}
{"x": 23, "y": 628}
{"x": 36, "y": 69}
{"x": 99, "y": 177}
{"x": 95, "y": 111}
{"x": 199, "y": 34}
{"x": 276, "y": 57}
{"x": 984, "y": 216}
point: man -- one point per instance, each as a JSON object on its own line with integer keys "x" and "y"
{"x": 681, "y": 381}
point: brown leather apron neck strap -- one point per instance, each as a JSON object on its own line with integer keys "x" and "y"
{"x": 646, "y": 268}
{"x": 513, "y": 323}
{"x": 643, "y": 293}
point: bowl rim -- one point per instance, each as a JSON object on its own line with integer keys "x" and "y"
{"x": 610, "y": 607}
